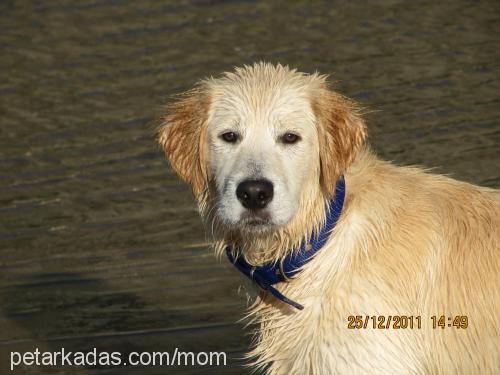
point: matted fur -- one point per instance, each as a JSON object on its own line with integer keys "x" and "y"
{"x": 407, "y": 243}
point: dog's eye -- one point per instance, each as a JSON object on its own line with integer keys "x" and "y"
{"x": 229, "y": 137}
{"x": 290, "y": 138}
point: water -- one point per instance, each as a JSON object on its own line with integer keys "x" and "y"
{"x": 101, "y": 245}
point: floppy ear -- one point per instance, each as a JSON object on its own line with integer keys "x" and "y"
{"x": 182, "y": 135}
{"x": 341, "y": 131}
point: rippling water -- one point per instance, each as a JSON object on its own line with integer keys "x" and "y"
{"x": 100, "y": 244}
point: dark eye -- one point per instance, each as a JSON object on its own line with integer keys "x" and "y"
{"x": 229, "y": 137}
{"x": 290, "y": 138}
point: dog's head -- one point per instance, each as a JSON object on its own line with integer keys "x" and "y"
{"x": 261, "y": 142}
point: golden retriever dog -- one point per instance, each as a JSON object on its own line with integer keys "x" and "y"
{"x": 404, "y": 279}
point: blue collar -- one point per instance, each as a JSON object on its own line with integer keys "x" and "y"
{"x": 272, "y": 273}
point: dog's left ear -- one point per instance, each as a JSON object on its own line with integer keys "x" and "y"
{"x": 341, "y": 131}
{"x": 181, "y": 134}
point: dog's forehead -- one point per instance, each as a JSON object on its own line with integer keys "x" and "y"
{"x": 263, "y": 92}
{"x": 261, "y": 103}
{"x": 256, "y": 101}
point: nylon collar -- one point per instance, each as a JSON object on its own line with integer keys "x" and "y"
{"x": 272, "y": 273}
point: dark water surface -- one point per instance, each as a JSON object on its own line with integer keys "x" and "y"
{"x": 100, "y": 244}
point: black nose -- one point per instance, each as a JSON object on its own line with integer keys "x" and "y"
{"x": 255, "y": 194}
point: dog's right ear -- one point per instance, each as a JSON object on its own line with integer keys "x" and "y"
{"x": 182, "y": 135}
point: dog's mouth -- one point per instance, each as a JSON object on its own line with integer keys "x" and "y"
{"x": 256, "y": 219}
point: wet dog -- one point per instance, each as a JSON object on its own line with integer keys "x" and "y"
{"x": 406, "y": 279}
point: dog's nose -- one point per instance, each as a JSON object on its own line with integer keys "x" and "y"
{"x": 255, "y": 194}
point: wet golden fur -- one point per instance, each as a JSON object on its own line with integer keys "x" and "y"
{"x": 408, "y": 243}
